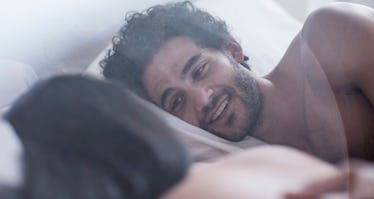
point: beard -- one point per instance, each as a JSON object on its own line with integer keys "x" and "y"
{"x": 250, "y": 96}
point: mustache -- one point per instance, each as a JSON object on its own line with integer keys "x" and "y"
{"x": 207, "y": 109}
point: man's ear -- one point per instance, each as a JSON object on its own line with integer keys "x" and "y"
{"x": 235, "y": 50}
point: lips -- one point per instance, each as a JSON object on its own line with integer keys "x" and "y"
{"x": 220, "y": 108}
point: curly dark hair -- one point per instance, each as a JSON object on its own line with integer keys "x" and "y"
{"x": 144, "y": 33}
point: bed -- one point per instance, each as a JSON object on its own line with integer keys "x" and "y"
{"x": 44, "y": 39}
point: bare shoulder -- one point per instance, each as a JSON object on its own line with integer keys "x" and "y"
{"x": 341, "y": 36}
{"x": 336, "y": 16}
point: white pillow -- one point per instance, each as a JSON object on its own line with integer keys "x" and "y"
{"x": 15, "y": 79}
{"x": 264, "y": 30}
{"x": 60, "y": 36}
{"x": 11, "y": 151}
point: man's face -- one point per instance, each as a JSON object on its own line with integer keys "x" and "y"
{"x": 206, "y": 88}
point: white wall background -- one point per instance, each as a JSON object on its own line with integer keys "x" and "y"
{"x": 301, "y": 8}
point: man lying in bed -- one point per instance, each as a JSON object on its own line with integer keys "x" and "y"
{"x": 319, "y": 98}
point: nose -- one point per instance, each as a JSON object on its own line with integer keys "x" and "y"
{"x": 201, "y": 97}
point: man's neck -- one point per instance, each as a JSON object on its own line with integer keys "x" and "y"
{"x": 282, "y": 112}
{"x": 283, "y": 116}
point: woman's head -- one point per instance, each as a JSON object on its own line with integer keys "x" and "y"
{"x": 84, "y": 138}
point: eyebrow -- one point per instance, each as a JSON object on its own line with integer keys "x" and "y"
{"x": 187, "y": 67}
{"x": 165, "y": 95}
{"x": 189, "y": 64}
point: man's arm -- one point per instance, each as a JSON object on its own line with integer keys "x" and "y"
{"x": 341, "y": 36}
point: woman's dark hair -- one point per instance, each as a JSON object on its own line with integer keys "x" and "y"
{"x": 84, "y": 138}
{"x": 144, "y": 33}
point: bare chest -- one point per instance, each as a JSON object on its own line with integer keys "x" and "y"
{"x": 340, "y": 121}
{"x": 357, "y": 114}
{"x": 337, "y": 120}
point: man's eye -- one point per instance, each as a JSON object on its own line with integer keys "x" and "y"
{"x": 176, "y": 104}
{"x": 199, "y": 71}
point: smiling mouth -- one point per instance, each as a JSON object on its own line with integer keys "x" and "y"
{"x": 222, "y": 107}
